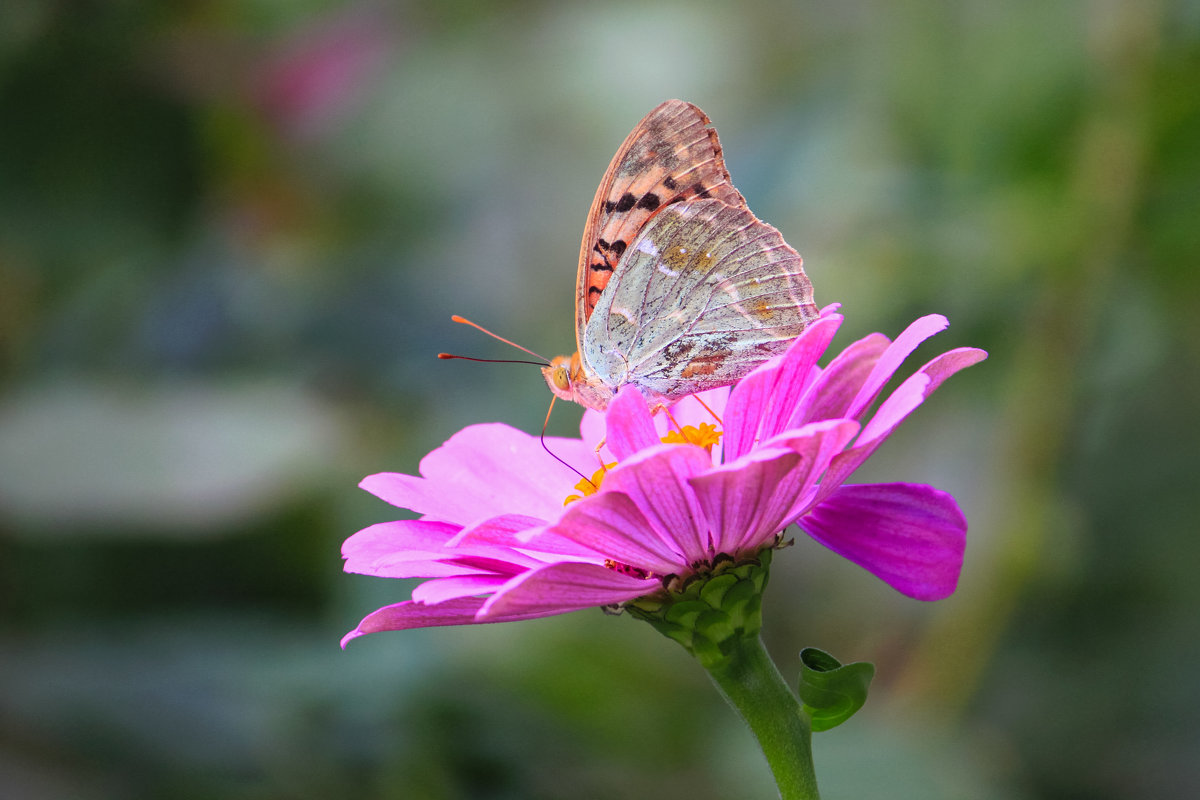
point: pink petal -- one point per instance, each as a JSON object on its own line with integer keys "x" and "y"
{"x": 440, "y": 590}
{"x": 517, "y": 532}
{"x": 821, "y": 443}
{"x": 402, "y": 549}
{"x": 484, "y": 471}
{"x": 926, "y": 380}
{"x": 383, "y": 538}
{"x": 703, "y": 407}
{"x": 591, "y": 427}
{"x": 911, "y": 536}
{"x": 796, "y": 373}
{"x": 700, "y": 407}
{"x": 747, "y": 403}
{"x": 950, "y": 362}
{"x": 747, "y": 503}
{"x": 760, "y": 494}
{"x": 895, "y": 409}
{"x": 657, "y": 482}
{"x": 893, "y": 357}
{"x": 407, "y": 615}
{"x": 830, "y": 395}
{"x": 612, "y": 525}
{"x": 559, "y": 588}
{"x": 501, "y": 530}
{"x": 762, "y": 403}
{"x": 630, "y": 426}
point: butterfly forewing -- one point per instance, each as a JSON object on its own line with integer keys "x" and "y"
{"x": 670, "y": 157}
{"x": 704, "y": 294}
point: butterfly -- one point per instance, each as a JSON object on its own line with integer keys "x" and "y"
{"x": 680, "y": 288}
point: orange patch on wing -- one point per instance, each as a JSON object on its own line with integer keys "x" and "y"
{"x": 761, "y": 308}
{"x": 706, "y": 364}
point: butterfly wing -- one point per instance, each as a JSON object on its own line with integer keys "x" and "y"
{"x": 704, "y": 294}
{"x": 671, "y": 156}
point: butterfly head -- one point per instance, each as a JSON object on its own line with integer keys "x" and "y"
{"x": 567, "y": 379}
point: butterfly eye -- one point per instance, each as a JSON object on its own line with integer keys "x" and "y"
{"x": 561, "y": 379}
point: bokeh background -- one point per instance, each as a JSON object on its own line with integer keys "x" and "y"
{"x": 231, "y": 238}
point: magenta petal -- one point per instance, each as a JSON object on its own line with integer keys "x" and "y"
{"x": 440, "y": 590}
{"x": 893, "y": 357}
{"x": 656, "y": 482}
{"x": 703, "y": 407}
{"x": 821, "y": 443}
{"x": 700, "y": 407}
{"x": 909, "y": 535}
{"x": 747, "y": 404}
{"x": 758, "y": 495}
{"x": 407, "y": 615}
{"x": 950, "y": 362}
{"x": 830, "y": 395}
{"x": 630, "y": 426}
{"x": 484, "y": 471}
{"x": 763, "y": 402}
{"x": 559, "y": 588}
{"x": 591, "y": 426}
{"x": 401, "y": 549}
{"x": 613, "y": 526}
{"x": 796, "y": 373}
{"x": 383, "y": 538}
{"x": 517, "y": 532}
{"x": 501, "y": 530}
{"x": 748, "y": 502}
{"x": 895, "y": 409}
{"x": 924, "y": 382}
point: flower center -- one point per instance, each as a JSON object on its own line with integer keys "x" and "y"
{"x": 626, "y": 569}
{"x": 589, "y": 486}
{"x": 706, "y": 435}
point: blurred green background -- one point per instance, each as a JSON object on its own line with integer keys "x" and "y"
{"x": 231, "y": 238}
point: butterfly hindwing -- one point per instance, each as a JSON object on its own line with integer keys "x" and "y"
{"x": 704, "y": 293}
{"x": 670, "y": 157}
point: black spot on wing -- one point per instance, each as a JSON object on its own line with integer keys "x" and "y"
{"x": 698, "y": 190}
{"x": 605, "y": 249}
{"x": 622, "y": 205}
{"x": 670, "y": 183}
{"x": 600, "y": 267}
{"x": 649, "y": 201}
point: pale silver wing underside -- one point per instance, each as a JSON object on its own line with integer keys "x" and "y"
{"x": 704, "y": 294}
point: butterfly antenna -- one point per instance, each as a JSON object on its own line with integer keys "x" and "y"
{"x": 546, "y": 447}
{"x": 545, "y": 362}
{"x": 492, "y": 360}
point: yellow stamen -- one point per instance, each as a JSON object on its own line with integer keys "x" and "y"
{"x": 704, "y": 436}
{"x": 588, "y": 487}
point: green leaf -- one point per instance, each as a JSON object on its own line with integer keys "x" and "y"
{"x": 831, "y": 691}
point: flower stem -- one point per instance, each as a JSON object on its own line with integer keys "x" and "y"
{"x": 752, "y": 684}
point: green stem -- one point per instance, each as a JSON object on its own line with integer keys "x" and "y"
{"x": 752, "y": 684}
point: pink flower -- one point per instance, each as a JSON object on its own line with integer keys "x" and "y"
{"x": 497, "y": 543}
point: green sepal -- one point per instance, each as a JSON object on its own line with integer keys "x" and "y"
{"x": 831, "y": 691}
{"x": 712, "y": 609}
